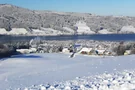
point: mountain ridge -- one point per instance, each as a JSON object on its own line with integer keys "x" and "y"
{"x": 17, "y": 17}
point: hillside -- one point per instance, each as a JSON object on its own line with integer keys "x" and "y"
{"x": 50, "y": 22}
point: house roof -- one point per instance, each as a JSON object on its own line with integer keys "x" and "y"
{"x": 101, "y": 51}
{"x": 86, "y": 49}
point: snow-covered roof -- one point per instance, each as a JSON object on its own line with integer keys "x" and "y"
{"x": 86, "y": 49}
{"x": 65, "y": 50}
{"x": 100, "y": 51}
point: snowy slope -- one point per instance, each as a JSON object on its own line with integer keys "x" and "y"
{"x": 18, "y": 31}
{"x": 35, "y": 69}
{"x": 83, "y": 28}
{"x": 46, "y": 31}
{"x": 69, "y": 29}
{"x": 104, "y": 31}
{"x": 127, "y": 29}
{"x": 3, "y": 31}
{"x": 14, "y": 31}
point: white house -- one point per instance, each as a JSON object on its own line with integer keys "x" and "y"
{"x": 100, "y": 51}
{"x": 127, "y": 52}
{"x": 65, "y": 50}
{"x": 85, "y": 50}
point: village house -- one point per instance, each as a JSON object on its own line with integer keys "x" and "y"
{"x": 65, "y": 50}
{"x": 27, "y": 51}
{"x": 127, "y": 52}
{"x": 86, "y": 50}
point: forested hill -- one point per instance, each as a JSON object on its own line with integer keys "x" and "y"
{"x": 17, "y": 17}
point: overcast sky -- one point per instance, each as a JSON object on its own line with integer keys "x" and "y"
{"x": 98, "y": 7}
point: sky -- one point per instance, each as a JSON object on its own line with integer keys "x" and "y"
{"x": 98, "y": 7}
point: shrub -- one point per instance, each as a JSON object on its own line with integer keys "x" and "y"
{"x": 60, "y": 49}
{"x": 121, "y": 50}
{"x": 133, "y": 51}
{"x": 6, "y": 51}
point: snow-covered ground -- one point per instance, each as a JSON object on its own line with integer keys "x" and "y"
{"x": 69, "y": 29}
{"x": 3, "y": 31}
{"x": 83, "y": 28}
{"x": 18, "y": 31}
{"x": 104, "y": 31}
{"x": 127, "y": 29}
{"x": 14, "y": 31}
{"x": 57, "y": 70}
{"x": 46, "y": 31}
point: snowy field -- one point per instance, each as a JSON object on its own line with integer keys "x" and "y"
{"x": 59, "y": 72}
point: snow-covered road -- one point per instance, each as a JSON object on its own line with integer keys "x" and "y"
{"x": 35, "y": 69}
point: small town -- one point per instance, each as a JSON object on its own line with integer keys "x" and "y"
{"x": 85, "y": 47}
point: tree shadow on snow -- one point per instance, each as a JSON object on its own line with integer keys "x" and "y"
{"x": 21, "y": 56}
{"x": 2, "y": 59}
{"x": 26, "y": 56}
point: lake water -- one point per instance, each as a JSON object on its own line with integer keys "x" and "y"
{"x": 105, "y": 37}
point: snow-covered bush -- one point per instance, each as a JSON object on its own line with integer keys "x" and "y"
{"x": 119, "y": 50}
{"x": 35, "y": 42}
{"x": 133, "y": 51}
{"x": 6, "y": 51}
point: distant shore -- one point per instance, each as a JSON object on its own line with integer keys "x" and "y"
{"x": 96, "y": 37}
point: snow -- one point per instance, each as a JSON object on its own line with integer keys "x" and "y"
{"x": 104, "y": 31}
{"x": 52, "y": 31}
{"x": 6, "y": 5}
{"x": 100, "y": 51}
{"x": 18, "y": 31}
{"x": 3, "y": 31}
{"x": 115, "y": 81}
{"x": 57, "y": 71}
{"x": 37, "y": 31}
{"x": 26, "y": 51}
{"x": 65, "y": 50}
{"x": 46, "y": 31}
{"x": 69, "y": 29}
{"x": 83, "y": 28}
{"x": 40, "y": 32}
{"x": 127, "y": 29}
{"x": 85, "y": 49}
{"x": 14, "y": 31}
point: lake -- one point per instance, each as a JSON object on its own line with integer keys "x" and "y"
{"x": 100, "y": 37}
